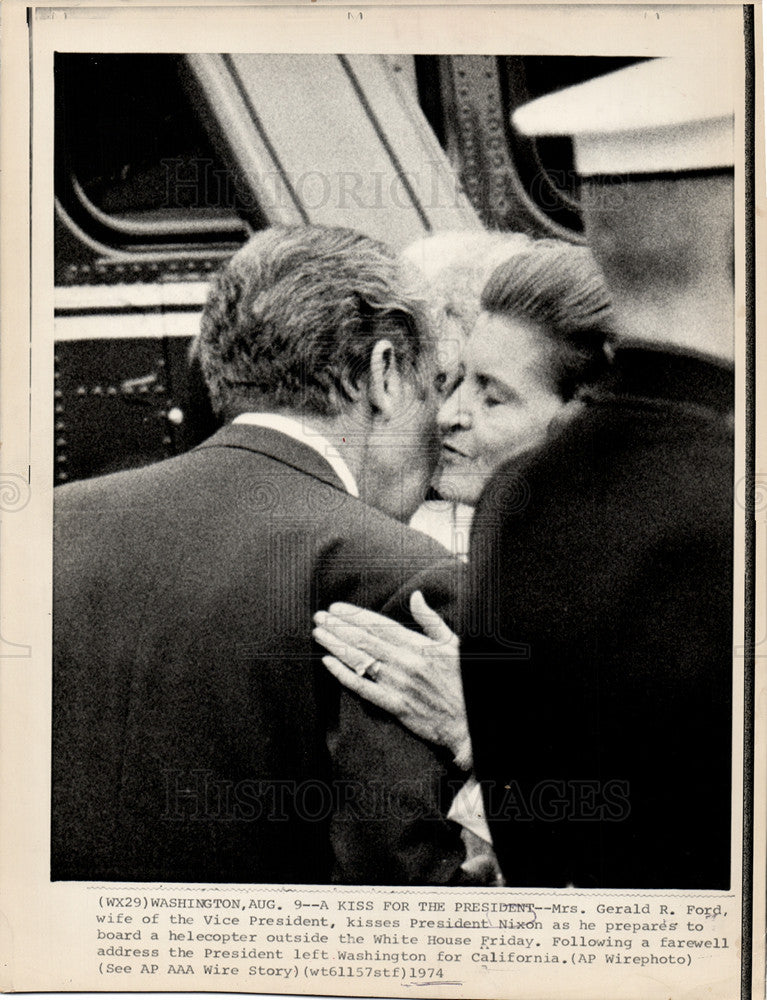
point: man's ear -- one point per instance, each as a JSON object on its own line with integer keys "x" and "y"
{"x": 384, "y": 380}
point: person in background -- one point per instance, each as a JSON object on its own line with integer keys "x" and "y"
{"x": 456, "y": 267}
{"x": 596, "y": 644}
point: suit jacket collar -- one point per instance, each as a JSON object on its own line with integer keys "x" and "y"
{"x": 273, "y": 444}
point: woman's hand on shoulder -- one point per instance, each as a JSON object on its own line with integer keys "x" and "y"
{"x": 416, "y": 678}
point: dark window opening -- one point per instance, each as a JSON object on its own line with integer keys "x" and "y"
{"x": 427, "y": 77}
{"x": 135, "y": 166}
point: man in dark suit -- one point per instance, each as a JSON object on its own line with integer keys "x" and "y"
{"x": 195, "y": 737}
{"x": 599, "y": 696}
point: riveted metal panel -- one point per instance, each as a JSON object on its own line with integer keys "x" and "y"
{"x": 479, "y": 141}
{"x": 123, "y": 403}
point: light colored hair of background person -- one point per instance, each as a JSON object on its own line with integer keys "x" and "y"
{"x": 291, "y": 319}
{"x": 456, "y": 266}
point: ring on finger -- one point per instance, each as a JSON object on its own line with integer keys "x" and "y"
{"x": 365, "y": 663}
{"x": 373, "y": 670}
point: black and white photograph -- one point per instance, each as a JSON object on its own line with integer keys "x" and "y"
{"x": 399, "y": 467}
{"x": 232, "y": 503}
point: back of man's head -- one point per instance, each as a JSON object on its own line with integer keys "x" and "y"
{"x": 292, "y": 318}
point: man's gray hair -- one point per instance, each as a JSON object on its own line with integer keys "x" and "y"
{"x": 291, "y": 320}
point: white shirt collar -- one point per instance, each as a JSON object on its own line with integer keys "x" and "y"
{"x": 300, "y": 430}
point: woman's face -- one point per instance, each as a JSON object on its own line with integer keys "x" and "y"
{"x": 499, "y": 405}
